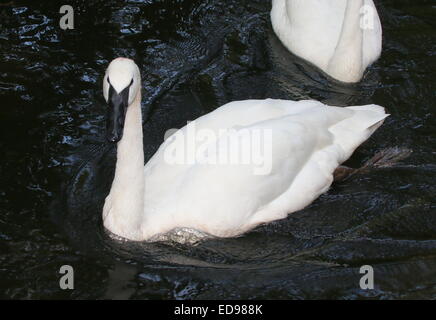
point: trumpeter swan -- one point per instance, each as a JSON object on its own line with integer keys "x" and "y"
{"x": 341, "y": 37}
{"x": 244, "y": 164}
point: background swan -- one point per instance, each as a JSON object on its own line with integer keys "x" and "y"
{"x": 308, "y": 142}
{"x": 341, "y": 37}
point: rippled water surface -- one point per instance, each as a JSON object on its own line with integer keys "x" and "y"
{"x": 56, "y": 169}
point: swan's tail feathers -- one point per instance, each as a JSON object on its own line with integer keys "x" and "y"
{"x": 356, "y": 129}
{"x": 388, "y": 157}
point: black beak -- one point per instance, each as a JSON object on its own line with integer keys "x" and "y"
{"x": 116, "y": 116}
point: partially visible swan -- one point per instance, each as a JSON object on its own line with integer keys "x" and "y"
{"x": 341, "y": 37}
{"x": 302, "y": 142}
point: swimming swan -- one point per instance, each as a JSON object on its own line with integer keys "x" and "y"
{"x": 341, "y": 37}
{"x": 252, "y": 162}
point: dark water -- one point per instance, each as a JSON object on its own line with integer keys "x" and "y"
{"x": 196, "y": 55}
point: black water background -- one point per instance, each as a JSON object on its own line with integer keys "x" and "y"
{"x": 196, "y": 55}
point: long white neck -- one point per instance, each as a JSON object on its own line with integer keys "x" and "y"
{"x": 124, "y": 208}
{"x": 347, "y": 62}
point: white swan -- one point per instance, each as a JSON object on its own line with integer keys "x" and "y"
{"x": 302, "y": 144}
{"x": 341, "y": 37}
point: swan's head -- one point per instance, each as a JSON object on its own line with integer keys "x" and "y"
{"x": 121, "y": 85}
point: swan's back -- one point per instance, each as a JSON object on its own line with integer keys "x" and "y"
{"x": 308, "y": 141}
{"x": 312, "y": 30}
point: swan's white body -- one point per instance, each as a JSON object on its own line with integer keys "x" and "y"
{"x": 309, "y": 141}
{"x": 341, "y": 37}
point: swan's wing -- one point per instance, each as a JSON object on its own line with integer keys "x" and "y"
{"x": 289, "y": 161}
{"x": 220, "y": 193}
{"x": 236, "y": 114}
{"x": 231, "y": 115}
{"x": 249, "y": 112}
